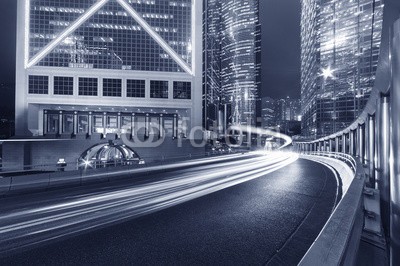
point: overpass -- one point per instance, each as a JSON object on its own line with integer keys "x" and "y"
{"x": 374, "y": 137}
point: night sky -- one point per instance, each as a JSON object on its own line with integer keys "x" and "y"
{"x": 280, "y": 20}
{"x": 7, "y": 44}
{"x": 280, "y": 46}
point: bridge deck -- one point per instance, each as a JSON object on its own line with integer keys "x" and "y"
{"x": 245, "y": 224}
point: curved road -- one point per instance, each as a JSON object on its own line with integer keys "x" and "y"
{"x": 266, "y": 209}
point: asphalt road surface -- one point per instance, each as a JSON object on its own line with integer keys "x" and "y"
{"x": 262, "y": 210}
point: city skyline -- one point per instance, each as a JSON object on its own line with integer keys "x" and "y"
{"x": 276, "y": 85}
{"x": 181, "y": 132}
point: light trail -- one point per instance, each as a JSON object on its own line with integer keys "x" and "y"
{"x": 35, "y": 223}
{"x": 259, "y": 131}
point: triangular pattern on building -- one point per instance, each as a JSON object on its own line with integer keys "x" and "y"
{"x": 112, "y": 39}
{"x": 166, "y": 25}
{"x": 51, "y": 20}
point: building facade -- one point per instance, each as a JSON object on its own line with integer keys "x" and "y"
{"x": 232, "y": 52}
{"x": 107, "y": 67}
{"x": 340, "y": 43}
{"x": 268, "y": 112}
{"x": 212, "y": 89}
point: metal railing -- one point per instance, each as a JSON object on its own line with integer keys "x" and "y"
{"x": 338, "y": 242}
{"x": 374, "y": 137}
{"x": 348, "y": 159}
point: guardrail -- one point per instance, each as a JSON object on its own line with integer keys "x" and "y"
{"x": 76, "y": 165}
{"x": 348, "y": 159}
{"x": 52, "y": 179}
{"x": 338, "y": 242}
{"x": 374, "y": 136}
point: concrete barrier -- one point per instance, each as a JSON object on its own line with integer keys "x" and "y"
{"x": 5, "y": 183}
{"x": 68, "y": 178}
{"x": 345, "y": 172}
{"x": 338, "y": 242}
{"x": 43, "y": 181}
{"x": 33, "y": 182}
{"x": 97, "y": 175}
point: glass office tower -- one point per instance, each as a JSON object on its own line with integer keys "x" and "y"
{"x": 212, "y": 90}
{"x": 232, "y": 68}
{"x": 340, "y": 43}
{"x": 102, "y": 66}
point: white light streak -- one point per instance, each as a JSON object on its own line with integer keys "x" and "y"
{"x": 288, "y": 140}
{"x": 42, "y": 221}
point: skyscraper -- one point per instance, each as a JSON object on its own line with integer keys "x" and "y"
{"x": 339, "y": 55}
{"x": 232, "y": 49}
{"x": 268, "y": 112}
{"x": 212, "y": 90}
{"x": 103, "y": 66}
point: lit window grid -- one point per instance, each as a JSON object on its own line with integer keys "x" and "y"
{"x": 128, "y": 47}
{"x": 50, "y": 17}
{"x": 177, "y": 28}
{"x": 351, "y": 31}
{"x": 88, "y": 87}
{"x": 240, "y": 70}
{"x": 212, "y": 91}
{"x": 159, "y": 89}
{"x": 136, "y": 88}
{"x": 63, "y": 85}
{"x": 112, "y": 87}
{"x": 38, "y": 84}
{"x": 182, "y": 90}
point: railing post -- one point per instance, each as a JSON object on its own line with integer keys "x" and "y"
{"x": 343, "y": 150}
{"x": 355, "y": 145}
{"x": 351, "y": 135}
{"x": 383, "y": 149}
{"x": 356, "y": 141}
{"x": 338, "y": 144}
{"x": 367, "y": 145}
{"x": 361, "y": 139}
{"x": 395, "y": 151}
{"x": 371, "y": 148}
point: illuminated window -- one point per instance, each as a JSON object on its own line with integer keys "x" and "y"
{"x": 136, "y": 88}
{"x": 83, "y": 123}
{"x": 182, "y": 90}
{"x": 159, "y": 89}
{"x": 88, "y": 86}
{"x": 63, "y": 85}
{"x": 52, "y": 123}
{"x": 112, "y": 87}
{"x": 111, "y": 38}
{"x": 38, "y": 84}
{"x": 68, "y": 123}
